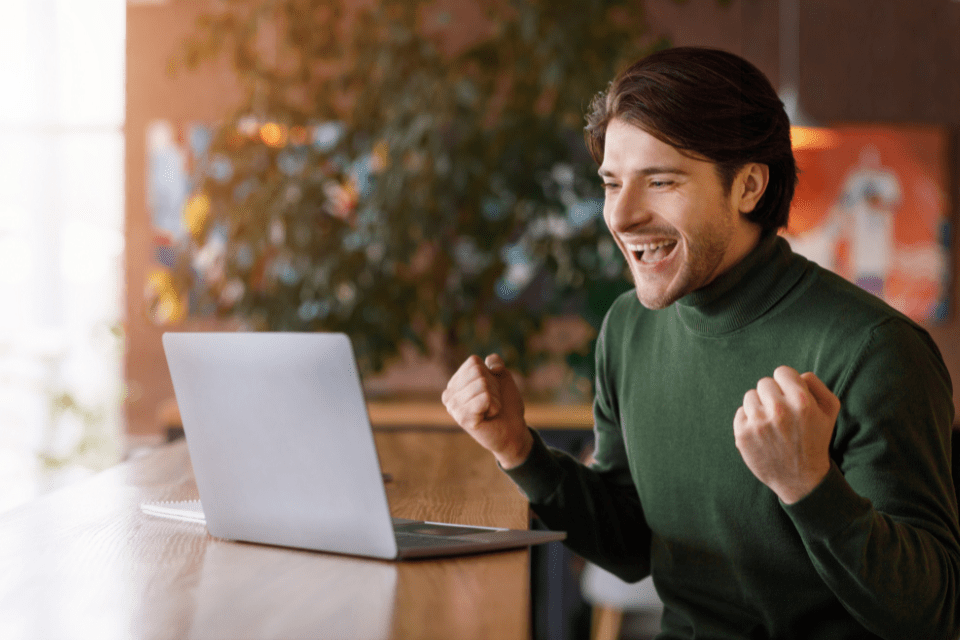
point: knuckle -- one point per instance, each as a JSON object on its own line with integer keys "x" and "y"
{"x": 785, "y": 372}
{"x": 834, "y": 404}
{"x": 770, "y": 386}
{"x": 483, "y": 388}
{"x": 740, "y": 442}
{"x": 755, "y": 429}
{"x": 742, "y": 424}
{"x": 472, "y": 365}
{"x": 739, "y": 433}
{"x": 781, "y": 411}
{"x": 743, "y": 436}
{"x": 480, "y": 404}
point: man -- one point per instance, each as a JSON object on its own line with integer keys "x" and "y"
{"x": 765, "y": 502}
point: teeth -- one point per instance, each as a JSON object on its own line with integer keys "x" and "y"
{"x": 649, "y": 246}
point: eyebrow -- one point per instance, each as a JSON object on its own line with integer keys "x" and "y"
{"x": 648, "y": 171}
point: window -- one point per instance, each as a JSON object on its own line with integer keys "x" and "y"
{"x": 61, "y": 240}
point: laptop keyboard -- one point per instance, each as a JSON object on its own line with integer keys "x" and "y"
{"x": 413, "y": 534}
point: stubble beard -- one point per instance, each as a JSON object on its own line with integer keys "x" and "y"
{"x": 704, "y": 254}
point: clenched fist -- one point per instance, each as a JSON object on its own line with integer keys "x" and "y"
{"x": 483, "y": 398}
{"x": 783, "y": 432}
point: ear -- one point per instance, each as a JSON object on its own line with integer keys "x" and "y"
{"x": 750, "y": 185}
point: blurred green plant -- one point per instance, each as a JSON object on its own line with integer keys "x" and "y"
{"x": 380, "y": 179}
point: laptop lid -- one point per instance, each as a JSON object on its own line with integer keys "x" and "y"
{"x": 283, "y": 453}
{"x": 280, "y": 441}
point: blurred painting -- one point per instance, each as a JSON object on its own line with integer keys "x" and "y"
{"x": 173, "y": 152}
{"x": 871, "y": 206}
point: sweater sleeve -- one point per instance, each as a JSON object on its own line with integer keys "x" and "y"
{"x": 598, "y": 506}
{"x": 600, "y": 511}
{"x": 881, "y": 528}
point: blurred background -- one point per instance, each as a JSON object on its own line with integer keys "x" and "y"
{"x": 412, "y": 173}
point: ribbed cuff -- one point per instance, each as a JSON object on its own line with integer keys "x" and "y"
{"x": 539, "y": 475}
{"x": 829, "y": 509}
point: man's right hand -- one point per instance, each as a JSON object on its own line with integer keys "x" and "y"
{"x": 483, "y": 398}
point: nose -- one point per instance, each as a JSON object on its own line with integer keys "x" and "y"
{"x": 625, "y": 209}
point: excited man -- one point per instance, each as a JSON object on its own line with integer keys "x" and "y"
{"x": 765, "y": 502}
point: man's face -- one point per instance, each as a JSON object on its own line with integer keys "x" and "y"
{"x": 669, "y": 215}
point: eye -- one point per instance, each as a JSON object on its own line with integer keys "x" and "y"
{"x": 656, "y": 184}
{"x": 607, "y": 186}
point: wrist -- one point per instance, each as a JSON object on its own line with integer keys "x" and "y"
{"x": 793, "y": 493}
{"x": 518, "y": 454}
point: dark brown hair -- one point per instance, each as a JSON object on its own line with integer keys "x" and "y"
{"x": 710, "y": 103}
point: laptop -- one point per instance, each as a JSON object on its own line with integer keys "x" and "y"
{"x": 283, "y": 452}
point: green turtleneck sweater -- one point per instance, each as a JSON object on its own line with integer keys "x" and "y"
{"x": 873, "y": 551}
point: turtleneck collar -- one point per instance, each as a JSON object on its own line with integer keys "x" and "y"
{"x": 744, "y": 293}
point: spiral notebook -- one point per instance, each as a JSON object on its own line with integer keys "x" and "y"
{"x": 283, "y": 453}
{"x": 186, "y": 510}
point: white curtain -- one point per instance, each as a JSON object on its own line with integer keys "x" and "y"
{"x": 61, "y": 240}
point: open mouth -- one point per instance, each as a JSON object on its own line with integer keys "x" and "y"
{"x": 652, "y": 252}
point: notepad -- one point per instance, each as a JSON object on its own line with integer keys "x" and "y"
{"x": 184, "y": 510}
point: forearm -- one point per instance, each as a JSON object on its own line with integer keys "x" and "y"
{"x": 899, "y": 576}
{"x": 600, "y": 512}
{"x": 881, "y": 528}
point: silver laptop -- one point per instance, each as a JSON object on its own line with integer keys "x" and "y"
{"x": 283, "y": 452}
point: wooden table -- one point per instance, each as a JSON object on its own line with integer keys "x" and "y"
{"x": 539, "y": 415}
{"x": 84, "y": 562}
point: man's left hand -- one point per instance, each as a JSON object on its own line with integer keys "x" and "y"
{"x": 783, "y": 432}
